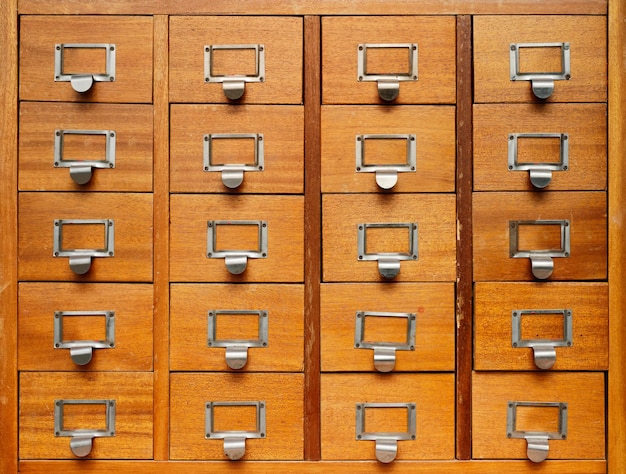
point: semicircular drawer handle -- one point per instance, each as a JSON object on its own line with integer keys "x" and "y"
{"x": 82, "y": 439}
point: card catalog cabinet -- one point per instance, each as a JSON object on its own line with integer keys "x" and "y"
{"x": 324, "y": 237}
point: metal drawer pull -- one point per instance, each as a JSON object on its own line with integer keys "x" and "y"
{"x": 236, "y": 260}
{"x": 81, "y": 170}
{"x": 544, "y": 351}
{"x": 232, "y": 173}
{"x": 540, "y": 173}
{"x": 386, "y": 442}
{"x": 237, "y": 349}
{"x": 384, "y": 352}
{"x": 81, "y": 351}
{"x": 234, "y": 85}
{"x": 541, "y": 261}
{"x": 388, "y": 262}
{"x": 387, "y": 174}
{"x": 388, "y": 84}
{"x": 82, "y": 81}
{"x": 82, "y": 439}
{"x": 235, "y": 440}
{"x": 542, "y": 82}
{"x": 537, "y": 441}
{"x": 80, "y": 259}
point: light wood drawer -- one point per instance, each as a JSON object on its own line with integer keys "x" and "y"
{"x": 421, "y": 148}
{"x": 249, "y": 41}
{"x": 494, "y": 37}
{"x": 131, "y": 218}
{"x": 431, "y": 394}
{"x": 435, "y": 233}
{"x": 131, "y": 431}
{"x": 534, "y": 315}
{"x": 268, "y": 319}
{"x": 280, "y": 436}
{"x": 387, "y": 50}
{"x": 425, "y": 310}
{"x": 190, "y": 233}
{"x": 583, "y": 392}
{"x": 131, "y": 38}
{"x": 115, "y": 137}
{"x": 569, "y": 140}
{"x": 206, "y": 140}
{"x": 103, "y": 313}
{"x": 516, "y": 223}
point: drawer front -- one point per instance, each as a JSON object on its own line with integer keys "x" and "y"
{"x": 533, "y": 317}
{"x": 431, "y": 394}
{"x": 435, "y": 234}
{"x": 189, "y": 236}
{"x": 131, "y": 63}
{"x": 251, "y": 42}
{"x": 78, "y": 317}
{"x": 513, "y": 142}
{"x": 266, "y": 319}
{"x": 388, "y": 52}
{"x": 494, "y": 37}
{"x": 498, "y": 217}
{"x": 417, "y": 320}
{"x": 131, "y": 215}
{"x": 117, "y": 153}
{"x": 264, "y": 143}
{"x": 282, "y": 437}
{"x": 131, "y": 429}
{"x": 357, "y": 148}
{"x": 583, "y": 392}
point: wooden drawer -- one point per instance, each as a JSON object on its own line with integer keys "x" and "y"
{"x": 533, "y": 314}
{"x": 275, "y": 333}
{"x": 83, "y": 322}
{"x": 573, "y": 136}
{"x": 131, "y": 215}
{"x": 421, "y": 151}
{"x": 431, "y": 394}
{"x": 48, "y": 131}
{"x": 189, "y": 236}
{"x": 274, "y": 41}
{"x": 131, "y": 38}
{"x": 583, "y": 392}
{"x": 387, "y": 50}
{"x": 271, "y": 156}
{"x": 493, "y": 40}
{"x": 132, "y": 428}
{"x": 280, "y": 394}
{"x": 430, "y": 305}
{"x": 498, "y": 217}
{"x": 436, "y": 236}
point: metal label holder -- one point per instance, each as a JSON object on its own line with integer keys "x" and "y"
{"x": 388, "y": 262}
{"x": 80, "y": 259}
{"x": 82, "y": 81}
{"x": 236, "y": 260}
{"x": 81, "y": 351}
{"x": 388, "y": 84}
{"x": 386, "y": 175}
{"x": 234, "y": 85}
{"x": 232, "y": 174}
{"x": 542, "y": 83}
{"x": 81, "y": 170}
{"x": 540, "y": 173}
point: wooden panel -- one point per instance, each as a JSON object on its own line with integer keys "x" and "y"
{"x": 494, "y": 303}
{"x": 435, "y": 147}
{"x": 433, "y": 305}
{"x": 584, "y": 123}
{"x": 283, "y": 414}
{"x": 190, "y": 305}
{"x": 132, "y": 216}
{"x": 433, "y": 395}
{"x": 282, "y": 41}
{"x": 494, "y": 34}
{"x": 436, "y": 58}
{"x": 133, "y": 146}
{"x": 132, "y": 393}
{"x": 283, "y": 136}
{"x": 132, "y": 37}
{"x": 586, "y": 212}
{"x": 133, "y": 325}
{"x": 583, "y": 392}
{"x": 188, "y": 232}
{"x": 435, "y": 215}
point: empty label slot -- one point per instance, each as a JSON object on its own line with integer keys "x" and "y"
{"x": 546, "y": 60}
{"x": 387, "y": 239}
{"x": 386, "y": 420}
{"x": 234, "y": 418}
{"x": 232, "y": 151}
{"x": 542, "y": 326}
{"x": 84, "y": 236}
{"x": 79, "y": 147}
{"x": 539, "y": 237}
{"x": 385, "y": 329}
{"x": 388, "y": 61}
{"x": 237, "y": 237}
{"x": 84, "y": 60}
{"x": 542, "y": 419}
{"x": 84, "y": 416}
{"x": 388, "y": 151}
{"x": 532, "y": 150}
{"x": 236, "y": 326}
{"x": 233, "y": 62}
{"x": 84, "y": 328}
